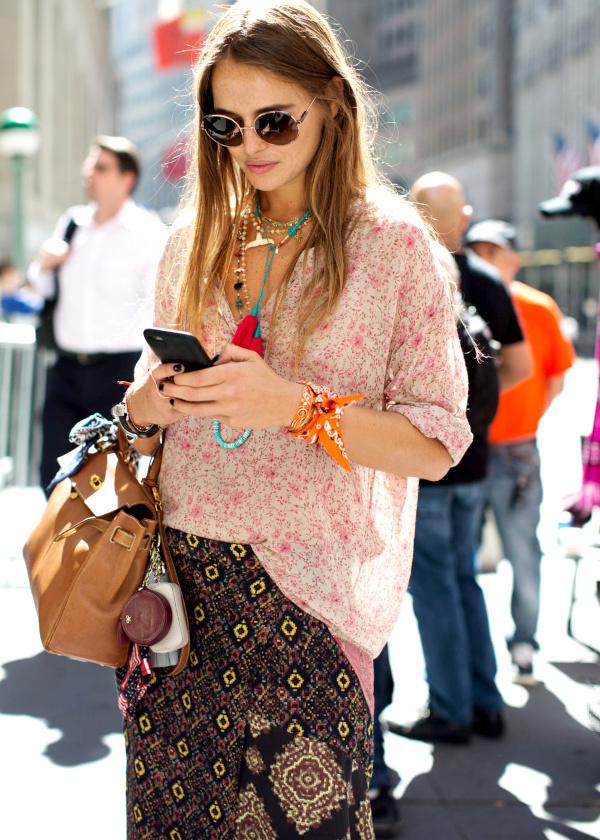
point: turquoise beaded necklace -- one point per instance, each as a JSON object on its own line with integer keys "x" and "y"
{"x": 272, "y": 249}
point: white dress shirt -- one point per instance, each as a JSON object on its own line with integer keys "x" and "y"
{"x": 107, "y": 280}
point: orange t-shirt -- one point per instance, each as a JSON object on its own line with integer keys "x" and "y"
{"x": 521, "y": 407}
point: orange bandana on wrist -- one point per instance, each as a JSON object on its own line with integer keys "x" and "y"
{"x": 318, "y": 417}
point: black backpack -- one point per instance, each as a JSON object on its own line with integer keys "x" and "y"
{"x": 481, "y": 359}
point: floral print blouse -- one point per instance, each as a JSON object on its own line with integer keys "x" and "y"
{"x": 337, "y": 543}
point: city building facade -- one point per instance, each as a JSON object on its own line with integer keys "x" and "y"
{"x": 502, "y": 94}
{"x": 54, "y": 60}
{"x": 154, "y": 104}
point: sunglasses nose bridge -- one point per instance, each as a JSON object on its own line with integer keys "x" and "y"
{"x": 251, "y": 137}
{"x": 240, "y": 129}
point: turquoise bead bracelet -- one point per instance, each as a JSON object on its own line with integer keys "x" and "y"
{"x": 234, "y": 443}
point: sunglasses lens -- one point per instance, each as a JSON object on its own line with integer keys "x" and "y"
{"x": 277, "y": 128}
{"x": 222, "y": 130}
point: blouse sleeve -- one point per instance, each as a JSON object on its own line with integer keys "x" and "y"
{"x": 426, "y": 379}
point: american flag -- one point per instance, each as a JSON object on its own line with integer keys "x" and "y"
{"x": 565, "y": 160}
{"x": 593, "y": 133}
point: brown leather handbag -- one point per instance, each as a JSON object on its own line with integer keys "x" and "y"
{"x": 89, "y": 553}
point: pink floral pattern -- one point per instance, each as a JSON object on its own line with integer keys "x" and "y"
{"x": 337, "y": 543}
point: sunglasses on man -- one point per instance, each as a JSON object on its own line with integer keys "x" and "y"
{"x": 278, "y": 128}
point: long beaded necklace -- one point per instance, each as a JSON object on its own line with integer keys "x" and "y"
{"x": 293, "y": 229}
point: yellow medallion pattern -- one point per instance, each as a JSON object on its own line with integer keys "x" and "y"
{"x": 343, "y": 680}
{"x": 215, "y": 812}
{"x": 219, "y": 768}
{"x": 178, "y": 791}
{"x": 240, "y": 631}
{"x": 145, "y": 724}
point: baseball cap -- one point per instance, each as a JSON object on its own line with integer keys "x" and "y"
{"x": 495, "y": 231}
{"x": 580, "y": 196}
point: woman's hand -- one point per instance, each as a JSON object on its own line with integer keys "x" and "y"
{"x": 240, "y": 390}
{"x": 146, "y": 401}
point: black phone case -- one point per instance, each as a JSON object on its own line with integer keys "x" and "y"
{"x": 172, "y": 346}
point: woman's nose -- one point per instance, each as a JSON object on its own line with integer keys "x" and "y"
{"x": 252, "y": 141}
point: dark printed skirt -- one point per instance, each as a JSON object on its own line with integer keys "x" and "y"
{"x": 265, "y": 734}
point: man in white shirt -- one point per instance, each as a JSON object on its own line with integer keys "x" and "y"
{"x": 105, "y": 294}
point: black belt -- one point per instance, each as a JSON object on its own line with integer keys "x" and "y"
{"x": 89, "y": 358}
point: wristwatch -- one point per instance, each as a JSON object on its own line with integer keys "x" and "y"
{"x": 132, "y": 431}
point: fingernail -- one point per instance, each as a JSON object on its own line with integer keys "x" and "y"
{"x": 161, "y": 387}
{"x": 177, "y": 368}
{"x": 172, "y": 402}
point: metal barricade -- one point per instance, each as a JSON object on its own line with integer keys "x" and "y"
{"x": 22, "y": 382}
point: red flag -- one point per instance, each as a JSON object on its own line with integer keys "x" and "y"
{"x": 178, "y": 41}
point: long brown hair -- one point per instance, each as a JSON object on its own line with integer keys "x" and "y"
{"x": 293, "y": 40}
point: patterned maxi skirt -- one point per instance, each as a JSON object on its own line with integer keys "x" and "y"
{"x": 265, "y": 734}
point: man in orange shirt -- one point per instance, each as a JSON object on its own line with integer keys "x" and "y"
{"x": 514, "y": 484}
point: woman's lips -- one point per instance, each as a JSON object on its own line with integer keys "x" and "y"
{"x": 260, "y": 168}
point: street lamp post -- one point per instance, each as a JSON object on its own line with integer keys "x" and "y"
{"x": 19, "y": 139}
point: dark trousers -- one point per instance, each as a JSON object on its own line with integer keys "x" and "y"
{"x": 75, "y": 390}
{"x": 383, "y": 688}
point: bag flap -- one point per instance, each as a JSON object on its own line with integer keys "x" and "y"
{"x": 105, "y": 483}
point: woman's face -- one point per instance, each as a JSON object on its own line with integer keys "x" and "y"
{"x": 243, "y": 92}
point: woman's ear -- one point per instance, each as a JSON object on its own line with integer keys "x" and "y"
{"x": 333, "y": 103}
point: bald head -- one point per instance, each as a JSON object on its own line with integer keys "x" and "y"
{"x": 441, "y": 197}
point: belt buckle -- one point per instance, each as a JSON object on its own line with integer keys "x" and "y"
{"x": 83, "y": 358}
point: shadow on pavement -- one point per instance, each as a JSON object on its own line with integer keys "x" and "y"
{"x": 78, "y": 698}
{"x": 542, "y": 775}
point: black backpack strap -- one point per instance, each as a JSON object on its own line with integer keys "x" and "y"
{"x": 67, "y": 237}
{"x": 70, "y": 230}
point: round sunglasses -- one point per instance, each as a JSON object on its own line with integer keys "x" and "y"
{"x": 275, "y": 127}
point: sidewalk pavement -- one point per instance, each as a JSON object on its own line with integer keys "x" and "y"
{"x": 60, "y": 730}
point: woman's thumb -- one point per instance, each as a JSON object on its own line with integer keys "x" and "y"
{"x": 233, "y": 353}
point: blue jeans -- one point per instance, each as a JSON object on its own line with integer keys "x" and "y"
{"x": 383, "y": 686}
{"x": 449, "y": 604}
{"x": 515, "y": 495}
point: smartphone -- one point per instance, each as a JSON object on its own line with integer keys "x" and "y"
{"x": 172, "y": 346}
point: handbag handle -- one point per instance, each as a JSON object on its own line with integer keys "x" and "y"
{"x": 151, "y": 477}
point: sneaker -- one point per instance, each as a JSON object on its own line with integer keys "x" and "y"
{"x": 522, "y": 659}
{"x": 432, "y": 727}
{"x": 488, "y": 724}
{"x": 387, "y": 818}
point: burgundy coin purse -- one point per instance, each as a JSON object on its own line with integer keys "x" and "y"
{"x": 145, "y": 618}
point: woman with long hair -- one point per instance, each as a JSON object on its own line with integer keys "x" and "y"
{"x": 290, "y": 467}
